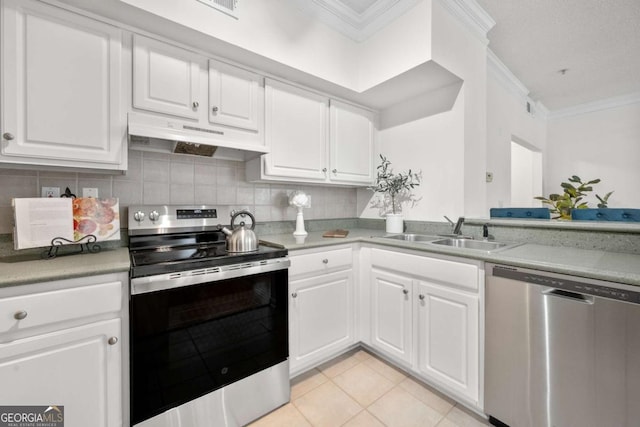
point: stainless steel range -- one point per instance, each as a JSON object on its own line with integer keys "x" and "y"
{"x": 208, "y": 328}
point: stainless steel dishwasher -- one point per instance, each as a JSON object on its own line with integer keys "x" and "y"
{"x": 560, "y": 351}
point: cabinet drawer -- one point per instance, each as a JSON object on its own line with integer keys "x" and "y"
{"x": 440, "y": 270}
{"x": 320, "y": 261}
{"x": 27, "y": 311}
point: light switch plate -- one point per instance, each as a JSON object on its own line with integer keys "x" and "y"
{"x": 90, "y": 192}
{"x": 50, "y": 192}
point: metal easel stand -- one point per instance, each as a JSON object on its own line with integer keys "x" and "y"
{"x": 88, "y": 246}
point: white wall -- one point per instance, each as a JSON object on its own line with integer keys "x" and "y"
{"x": 448, "y": 147}
{"x": 602, "y": 144}
{"x": 507, "y": 120}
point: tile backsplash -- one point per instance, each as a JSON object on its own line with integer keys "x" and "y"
{"x": 154, "y": 178}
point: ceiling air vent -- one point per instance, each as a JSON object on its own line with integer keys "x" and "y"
{"x": 230, "y": 7}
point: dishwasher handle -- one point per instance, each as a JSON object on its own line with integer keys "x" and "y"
{"x": 574, "y": 296}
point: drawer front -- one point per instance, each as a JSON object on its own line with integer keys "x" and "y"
{"x": 28, "y": 311}
{"x": 319, "y": 262}
{"x": 440, "y": 270}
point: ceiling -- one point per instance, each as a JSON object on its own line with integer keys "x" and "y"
{"x": 596, "y": 42}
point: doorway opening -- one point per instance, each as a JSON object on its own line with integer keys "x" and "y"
{"x": 526, "y": 174}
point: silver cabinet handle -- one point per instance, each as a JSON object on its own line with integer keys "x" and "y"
{"x": 405, "y": 291}
{"x": 294, "y": 295}
{"x": 325, "y": 261}
{"x": 196, "y": 104}
{"x": 324, "y": 170}
{"x": 214, "y": 109}
{"x": 421, "y": 297}
{"x": 112, "y": 340}
{"x": 8, "y": 136}
{"x": 19, "y": 315}
{"x": 335, "y": 171}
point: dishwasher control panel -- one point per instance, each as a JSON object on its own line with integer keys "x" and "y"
{"x": 568, "y": 283}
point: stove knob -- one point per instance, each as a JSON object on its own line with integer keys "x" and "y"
{"x": 154, "y": 216}
{"x": 138, "y": 216}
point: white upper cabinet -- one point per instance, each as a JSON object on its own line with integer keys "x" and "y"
{"x": 295, "y": 132}
{"x": 351, "y": 144}
{"x": 236, "y": 97}
{"x": 314, "y": 139}
{"x": 166, "y": 78}
{"x": 61, "y": 89}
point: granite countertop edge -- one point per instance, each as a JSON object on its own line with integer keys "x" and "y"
{"x": 588, "y": 263}
{"x": 615, "y": 267}
{"x": 17, "y": 272}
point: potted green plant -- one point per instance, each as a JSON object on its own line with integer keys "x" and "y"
{"x": 572, "y": 197}
{"x": 396, "y": 189}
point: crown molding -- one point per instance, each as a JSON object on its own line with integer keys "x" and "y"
{"x": 504, "y": 76}
{"x": 591, "y": 107}
{"x": 474, "y": 17}
{"x": 345, "y": 20}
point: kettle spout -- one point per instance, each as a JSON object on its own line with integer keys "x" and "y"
{"x": 225, "y": 230}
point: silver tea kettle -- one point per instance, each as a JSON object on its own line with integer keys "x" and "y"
{"x": 241, "y": 238}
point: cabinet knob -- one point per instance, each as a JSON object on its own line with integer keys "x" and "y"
{"x": 196, "y": 104}
{"x": 324, "y": 170}
{"x": 214, "y": 109}
{"x": 19, "y": 315}
{"x": 294, "y": 295}
{"x": 8, "y": 136}
{"x": 325, "y": 261}
{"x": 335, "y": 171}
{"x": 421, "y": 297}
{"x": 405, "y": 291}
{"x": 112, "y": 340}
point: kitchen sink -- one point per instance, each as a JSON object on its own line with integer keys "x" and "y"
{"x": 412, "y": 237}
{"x": 470, "y": 244}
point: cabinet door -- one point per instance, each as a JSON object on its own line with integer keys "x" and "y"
{"x": 351, "y": 144}
{"x": 295, "y": 132}
{"x": 391, "y": 314}
{"x": 76, "y": 368}
{"x": 448, "y": 325}
{"x": 236, "y": 97}
{"x": 166, "y": 79}
{"x": 321, "y": 313}
{"x": 61, "y": 88}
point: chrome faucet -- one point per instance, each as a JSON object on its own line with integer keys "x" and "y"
{"x": 457, "y": 226}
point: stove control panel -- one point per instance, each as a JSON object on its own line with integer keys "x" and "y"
{"x": 155, "y": 218}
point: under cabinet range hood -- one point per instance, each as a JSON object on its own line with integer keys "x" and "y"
{"x": 167, "y": 135}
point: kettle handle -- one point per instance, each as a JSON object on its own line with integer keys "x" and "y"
{"x": 249, "y": 214}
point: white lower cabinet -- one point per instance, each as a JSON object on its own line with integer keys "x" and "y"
{"x": 391, "y": 314}
{"x": 64, "y": 343}
{"x": 425, "y": 314}
{"x": 321, "y": 307}
{"x": 448, "y": 338}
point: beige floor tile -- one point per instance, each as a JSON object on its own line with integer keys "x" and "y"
{"x": 447, "y": 423}
{"x": 362, "y": 355}
{"x": 306, "y": 382}
{"x": 437, "y": 401}
{"x": 364, "y": 419}
{"x": 338, "y": 365}
{"x": 386, "y": 370}
{"x": 462, "y": 418}
{"x": 286, "y": 416}
{"x": 399, "y": 408}
{"x": 363, "y": 384}
{"x": 327, "y": 405}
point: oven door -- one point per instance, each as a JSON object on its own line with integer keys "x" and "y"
{"x": 189, "y": 340}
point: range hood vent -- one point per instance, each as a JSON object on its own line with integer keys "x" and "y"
{"x": 158, "y": 134}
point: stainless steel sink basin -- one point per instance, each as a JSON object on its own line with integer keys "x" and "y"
{"x": 470, "y": 244}
{"x": 412, "y": 237}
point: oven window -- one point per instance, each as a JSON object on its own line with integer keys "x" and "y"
{"x": 189, "y": 341}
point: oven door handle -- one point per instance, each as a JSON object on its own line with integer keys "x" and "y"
{"x": 142, "y": 285}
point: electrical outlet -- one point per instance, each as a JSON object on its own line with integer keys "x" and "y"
{"x": 489, "y": 176}
{"x": 50, "y": 192}
{"x": 90, "y": 192}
